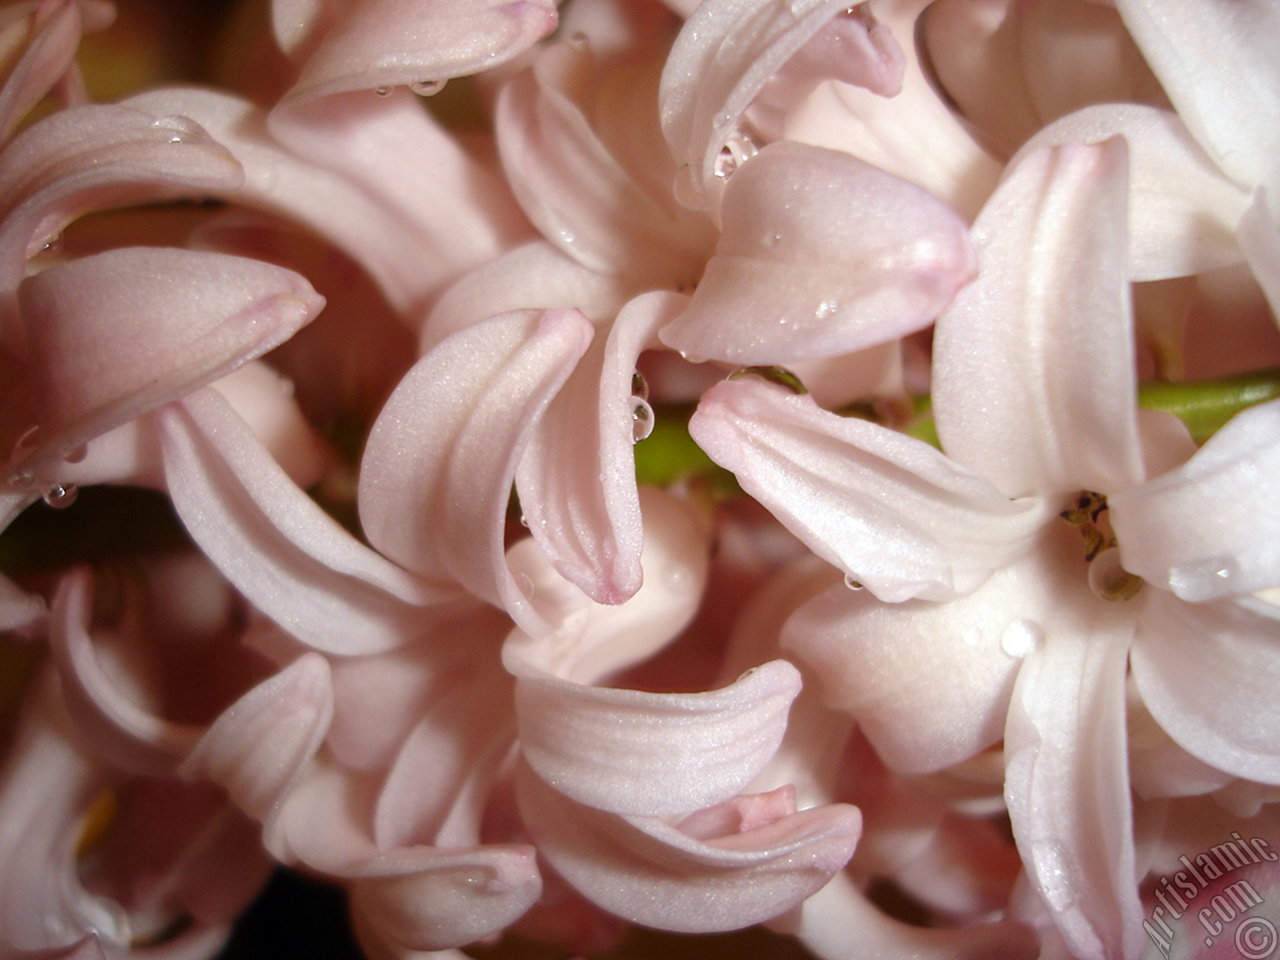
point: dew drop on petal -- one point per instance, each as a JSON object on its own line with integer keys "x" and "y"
{"x": 1204, "y": 580}
{"x": 78, "y": 454}
{"x": 1021, "y": 637}
{"x": 383, "y": 91}
{"x": 641, "y": 419}
{"x": 972, "y": 637}
{"x": 524, "y": 583}
{"x": 852, "y": 583}
{"x": 22, "y": 479}
{"x": 26, "y": 445}
{"x": 427, "y": 88}
{"x": 639, "y": 386}
{"x": 60, "y": 496}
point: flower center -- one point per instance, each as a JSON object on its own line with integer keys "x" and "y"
{"x": 1108, "y": 579}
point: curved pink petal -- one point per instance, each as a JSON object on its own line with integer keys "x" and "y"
{"x": 1033, "y": 382}
{"x": 436, "y": 785}
{"x": 951, "y": 702}
{"x": 889, "y": 510}
{"x": 1182, "y": 210}
{"x": 723, "y": 57}
{"x": 532, "y": 276}
{"x": 1214, "y": 59}
{"x": 916, "y": 135}
{"x": 652, "y": 754}
{"x": 421, "y": 898}
{"x": 375, "y": 44}
{"x": 258, "y": 748}
{"x": 117, "y": 726}
{"x": 377, "y": 177}
{"x": 47, "y": 52}
{"x": 650, "y": 872}
{"x": 838, "y": 922}
{"x": 581, "y": 197}
{"x": 284, "y": 553}
{"x": 821, "y": 254}
{"x": 441, "y": 457}
{"x": 1209, "y": 528}
{"x": 576, "y": 480}
{"x": 1202, "y": 669}
{"x": 1067, "y": 782}
{"x": 118, "y": 333}
{"x": 94, "y": 157}
{"x": 588, "y": 641}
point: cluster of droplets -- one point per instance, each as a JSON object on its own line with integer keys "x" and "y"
{"x": 641, "y": 412}
{"x": 423, "y": 88}
{"x": 56, "y": 494}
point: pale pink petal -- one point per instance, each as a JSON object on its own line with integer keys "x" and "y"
{"x": 18, "y": 608}
{"x": 891, "y": 511}
{"x": 448, "y": 761}
{"x": 94, "y": 157}
{"x": 116, "y": 725}
{"x": 648, "y": 871}
{"x": 298, "y": 22}
{"x": 1033, "y": 382}
{"x": 915, "y": 135}
{"x": 118, "y": 333}
{"x": 258, "y": 748}
{"x": 577, "y": 193}
{"x": 421, "y": 898}
{"x": 1067, "y": 782}
{"x": 928, "y": 683}
{"x": 723, "y": 57}
{"x": 1182, "y": 210}
{"x": 533, "y": 276}
{"x": 838, "y": 923}
{"x": 821, "y": 254}
{"x": 441, "y": 457}
{"x": 382, "y": 43}
{"x": 652, "y": 754}
{"x": 1259, "y": 236}
{"x": 292, "y": 560}
{"x": 1215, "y": 59}
{"x": 1208, "y": 674}
{"x": 587, "y": 641}
{"x": 375, "y": 176}
{"x": 47, "y": 53}
{"x": 576, "y": 480}
{"x": 1210, "y": 528}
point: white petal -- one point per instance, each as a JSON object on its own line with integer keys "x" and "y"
{"x": 1067, "y": 783}
{"x": 1211, "y": 527}
{"x": 1208, "y": 674}
{"x": 1033, "y": 364}
{"x": 889, "y": 510}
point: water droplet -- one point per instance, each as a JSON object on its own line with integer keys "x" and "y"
{"x": 852, "y": 583}
{"x": 26, "y": 445}
{"x": 772, "y": 239}
{"x": 677, "y": 579}
{"x": 427, "y": 88}
{"x": 22, "y": 479}
{"x": 52, "y": 245}
{"x": 827, "y": 308}
{"x": 524, "y": 583}
{"x": 972, "y": 637}
{"x": 566, "y": 236}
{"x": 78, "y": 454}
{"x": 524, "y": 521}
{"x": 639, "y": 386}
{"x": 1109, "y": 580}
{"x": 738, "y": 149}
{"x": 641, "y": 419}
{"x": 578, "y": 39}
{"x": 60, "y": 496}
{"x": 1020, "y": 637}
{"x": 779, "y": 375}
{"x": 383, "y": 91}
{"x": 1205, "y": 580}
